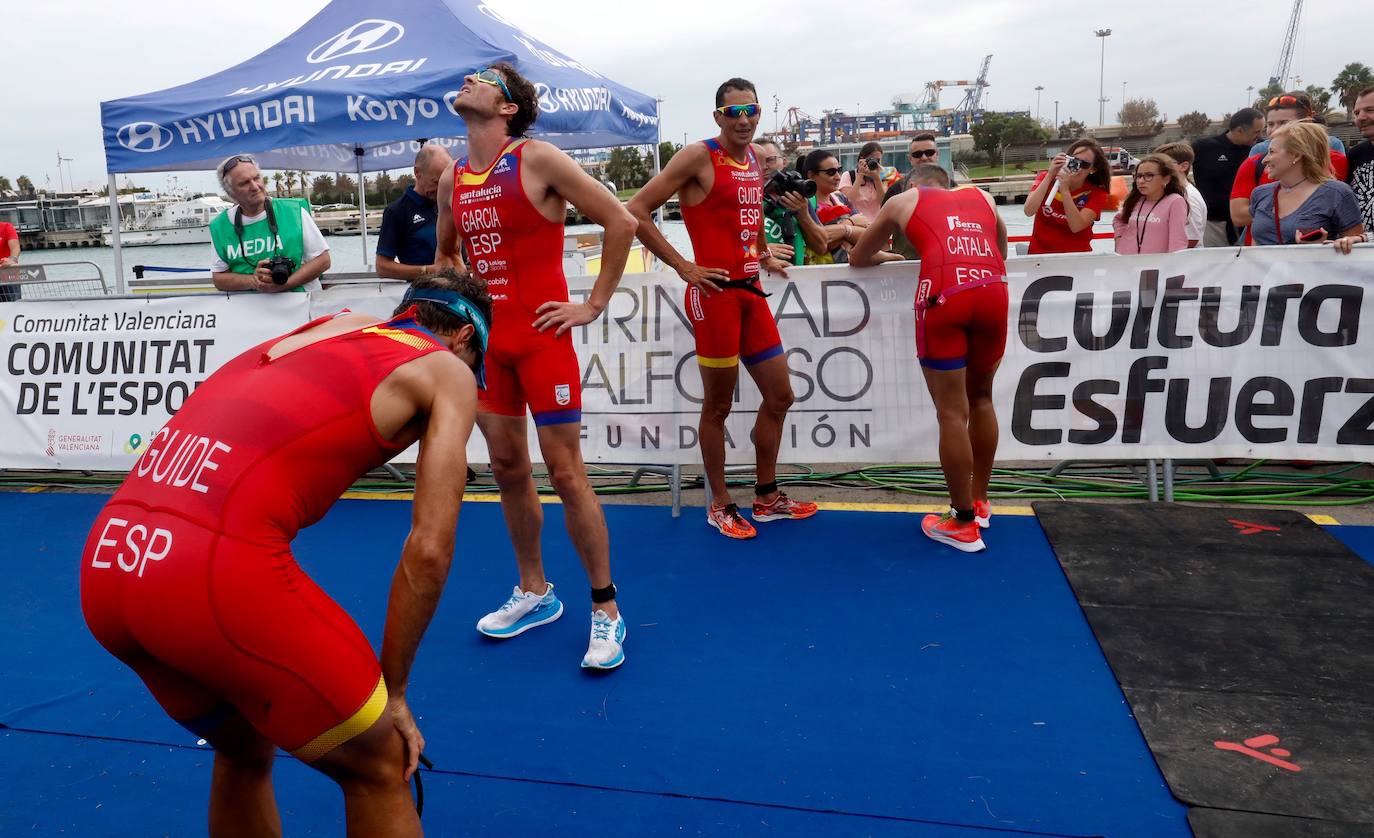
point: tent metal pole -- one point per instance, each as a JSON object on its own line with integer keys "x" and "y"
{"x": 658, "y": 167}
{"x": 121, "y": 284}
{"x": 362, "y": 204}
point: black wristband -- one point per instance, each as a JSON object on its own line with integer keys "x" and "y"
{"x": 606, "y": 594}
{"x": 761, "y": 489}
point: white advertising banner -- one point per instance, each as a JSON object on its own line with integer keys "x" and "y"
{"x": 87, "y": 382}
{"x": 1262, "y": 352}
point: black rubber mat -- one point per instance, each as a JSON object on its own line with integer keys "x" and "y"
{"x": 1219, "y": 823}
{"x": 1244, "y": 641}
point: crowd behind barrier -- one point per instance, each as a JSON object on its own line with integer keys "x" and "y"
{"x": 1206, "y": 353}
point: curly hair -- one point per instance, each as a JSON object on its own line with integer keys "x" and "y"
{"x": 523, "y": 96}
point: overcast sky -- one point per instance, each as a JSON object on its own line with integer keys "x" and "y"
{"x": 61, "y": 59}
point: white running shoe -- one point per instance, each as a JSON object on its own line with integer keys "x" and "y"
{"x": 522, "y": 612}
{"x": 605, "y": 650}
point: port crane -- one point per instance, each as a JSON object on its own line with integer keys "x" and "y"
{"x": 924, "y": 107}
{"x": 1290, "y": 38}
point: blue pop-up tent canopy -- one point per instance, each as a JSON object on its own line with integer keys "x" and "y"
{"x": 363, "y": 75}
{"x": 354, "y": 89}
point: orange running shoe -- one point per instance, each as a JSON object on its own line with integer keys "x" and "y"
{"x": 947, "y": 529}
{"x": 982, "y": 513}
{"x": 783, "y": 507}
{"x": 728, "y": 520}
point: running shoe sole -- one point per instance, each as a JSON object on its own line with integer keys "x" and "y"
{"x": 966, "y": 546}
{"x": 786, "y": 517}
{"x": 718, "y": 529}
{"x": 983, "y": 523}
{"x": 614, "y": 662}
{"x": 522, "y": 627}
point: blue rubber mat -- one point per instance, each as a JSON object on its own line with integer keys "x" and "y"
{"x": 837, "y": 676}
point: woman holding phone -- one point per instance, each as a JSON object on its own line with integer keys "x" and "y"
{"x": 1304, "y": 204}
{"x": 1069, "y": 198}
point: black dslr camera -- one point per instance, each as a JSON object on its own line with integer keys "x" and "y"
{"x": 281, "y": 268}
{"x": 789, "y": 180}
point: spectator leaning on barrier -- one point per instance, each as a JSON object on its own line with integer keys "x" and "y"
{"x": 1182, "y": 155}
{"x": 843, "y": 224}
{"x": 1304, "y": 204}
{"x": 249, "y": 236}
{"x": 406, "y": 244}
{"x": 9, "y": 255}
{"x": 1154, "y": 217}
{"x": 1216, "y": 160}
{"x": 1068, "y": 199}
{"x": 1281, "y": 110}
{"x": 1361, "y": 157}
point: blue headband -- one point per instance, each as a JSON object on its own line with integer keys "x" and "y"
{"x": 466, "y": 310}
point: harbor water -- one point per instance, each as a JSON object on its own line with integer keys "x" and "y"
{"x": 347, "y": 251}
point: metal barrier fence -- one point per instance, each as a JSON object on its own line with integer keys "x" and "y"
{"x": 52, "y": 281}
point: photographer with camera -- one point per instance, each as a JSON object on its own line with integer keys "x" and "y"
{"x": 1069, "y": 198}
{"x": 263, "y": 244}
{"x": 867, "y": 183}
{"x": 790, "y": 225}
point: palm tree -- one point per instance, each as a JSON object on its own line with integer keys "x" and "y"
{"x": 25, "y": 185}
{"x": 302, "y": 176}
{"x": 277, "y": 181}
{"x": 5, "y": 184}
{"x": 1347, "y": 86}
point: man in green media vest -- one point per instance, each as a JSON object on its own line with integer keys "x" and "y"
{"x": 263, "y": 244}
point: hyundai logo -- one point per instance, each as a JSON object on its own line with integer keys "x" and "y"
{"x": 363, "y": 36}
{"x": 144, "y": 137}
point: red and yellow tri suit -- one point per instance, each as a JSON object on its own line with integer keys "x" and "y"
{"x": 725, "y": 229}
{"x": 961, "y": 301}
{"x": 187, "y": 575}
{"x": 519, "y": 254}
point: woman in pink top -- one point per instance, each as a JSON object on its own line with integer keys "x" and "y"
{"x": 1154, "y": 217}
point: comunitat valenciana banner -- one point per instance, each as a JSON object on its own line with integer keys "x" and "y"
{"x": 88, "y": 382}
{"x": 1263, "y": 352}
{"x": 1208, "y": 353}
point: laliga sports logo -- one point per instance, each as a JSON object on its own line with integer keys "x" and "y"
{"x": 482, "y": 266}
{"x": 144, "y": 137}
{"x": 364, "y": 36}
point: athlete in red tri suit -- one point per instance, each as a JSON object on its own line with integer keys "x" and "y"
{"x": 188, "y": 577}
{"x": 961, "y": 332}
{"x": 501, "y": 214}
{"x": 720, "y": 185}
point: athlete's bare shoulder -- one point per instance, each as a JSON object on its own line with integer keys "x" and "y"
{"x": 433, "y": 373}
{"x": 536, "y": 151}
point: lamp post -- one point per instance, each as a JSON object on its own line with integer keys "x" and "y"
{"x": 1056, "y": 114}
{"x": 1102, "y": 75}
{"x": 1123, "y": 94}
{"x": 1249, "y": 96}
{"x": 1038, "y": 88}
